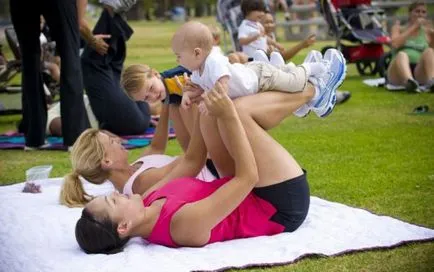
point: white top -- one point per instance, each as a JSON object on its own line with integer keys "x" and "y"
{"x": 242, "y": 80}
{"x": 158, "y": 161}
{"x": 250, "y": 28}
{"x": 217, "y": 49}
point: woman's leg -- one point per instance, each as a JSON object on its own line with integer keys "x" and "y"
{"x": 424, "y": 70}
{"x": 264, "y": 110}
{"x": 268, "y": 109}
{"x": 182, "y": 132}
{"x": 399, "y": 70}
{"x": 26, "y": 23}
{"x": 217, "y": 150}
{"x": 274, "y": 162}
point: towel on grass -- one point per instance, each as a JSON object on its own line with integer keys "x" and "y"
{"x": 381, "y": 82}
{"x": 14, "y": 140}
{"x": 37, "y": 234}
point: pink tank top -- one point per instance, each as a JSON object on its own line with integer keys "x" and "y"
{"x": 157, "y": 161}
{"x": 250, "y": 219}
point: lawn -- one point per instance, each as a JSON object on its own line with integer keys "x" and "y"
{"x": 371, "y": 152}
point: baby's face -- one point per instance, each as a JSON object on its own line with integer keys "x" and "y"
{"x": 189, "y": 58}
{"x": 152, "y": 91}
{"x": 268, "y": 23}
{"x": 255, "y": 16}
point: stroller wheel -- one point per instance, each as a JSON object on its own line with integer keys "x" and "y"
{"x": 383, "y": 63}
{"x": 367, "y": 67}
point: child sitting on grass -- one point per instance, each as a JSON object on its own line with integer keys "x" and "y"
{"x": 192, "y": 45}
{"x": 251, "y": 33}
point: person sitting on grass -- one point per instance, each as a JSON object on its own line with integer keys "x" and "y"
{"x": 179, "y": 210}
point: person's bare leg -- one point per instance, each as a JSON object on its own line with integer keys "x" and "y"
{"x": 399, "y": 70}
{"x": 217, "y": 150}
{"x": 268, "y": 109}
{"x": 274, "y": 162}
{"x": 54, "y": 71}
{"x": 424, "y": 70}
{"x": 265, "y": 147}
{"x": 188, "y": 117}
{"x": 182, "y": 133}
{"x": 56, "y": 127}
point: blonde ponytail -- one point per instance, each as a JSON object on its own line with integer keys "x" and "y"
{"x": 73, "y": 193}
{"x": 86, "y": 156}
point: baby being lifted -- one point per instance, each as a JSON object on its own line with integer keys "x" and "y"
{"x": 192, "y": 44}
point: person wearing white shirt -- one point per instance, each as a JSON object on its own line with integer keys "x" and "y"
{"x": 192, "y": 44}
{"x": 251, "y": 33}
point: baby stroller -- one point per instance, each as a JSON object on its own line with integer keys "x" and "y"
{"x": 10, "y": 68}
{"x": 229, "y": 15}
{"x": 358, "y": 23}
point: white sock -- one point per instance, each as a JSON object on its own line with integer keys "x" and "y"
{"x": 317, "y": 91}
{"x": 314, "y": 68}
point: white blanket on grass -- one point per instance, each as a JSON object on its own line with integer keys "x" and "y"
{"x": 37, "y": 234}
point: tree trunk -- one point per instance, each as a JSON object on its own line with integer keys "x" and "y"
{"x": 199, "y": 10}
{"x": 4, "y": 10}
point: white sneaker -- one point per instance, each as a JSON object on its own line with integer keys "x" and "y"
{"x": 312, "y": 56}
{"x": 260, "y": 55}
{"x": 276, "y": 59}
{"x": 32, "y": 148}
{"x": 329, "y": 82}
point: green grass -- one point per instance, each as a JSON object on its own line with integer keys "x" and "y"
{"x": 370, "y": 153}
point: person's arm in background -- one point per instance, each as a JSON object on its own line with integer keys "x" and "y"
{"x": 159, "y": 142}
{"x": 95, "y": 41}
{"x": 291, "y": 52}
{"x": 398, "y": 39}
{"x": 430, "y": 33}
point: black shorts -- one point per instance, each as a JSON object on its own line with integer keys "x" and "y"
{"x": 211, "y": 167}
{"x": 291, "y": 198}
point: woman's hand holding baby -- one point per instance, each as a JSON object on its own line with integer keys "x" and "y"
{"x": 217, "y": 103}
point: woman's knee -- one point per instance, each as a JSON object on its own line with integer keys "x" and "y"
{"x": 240, "y": 106}
{"x": 428, "y": 52}
{"x": 402, "y": 56}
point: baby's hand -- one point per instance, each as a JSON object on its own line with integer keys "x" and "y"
{"x": 186, "y": 101}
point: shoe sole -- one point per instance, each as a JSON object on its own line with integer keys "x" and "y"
{"x": 336, "y": 86}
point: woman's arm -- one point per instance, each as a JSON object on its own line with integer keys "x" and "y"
{"x": 189, "y": 164}
{"x": 192, "y": 224}
{"x": 398, "y": 39}
{"x": 159, "y": 142}
{"x": 95, "y": 41}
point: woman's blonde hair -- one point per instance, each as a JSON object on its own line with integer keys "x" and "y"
{"x": 86, "y": 156}
{"x": 134, "y": 77}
